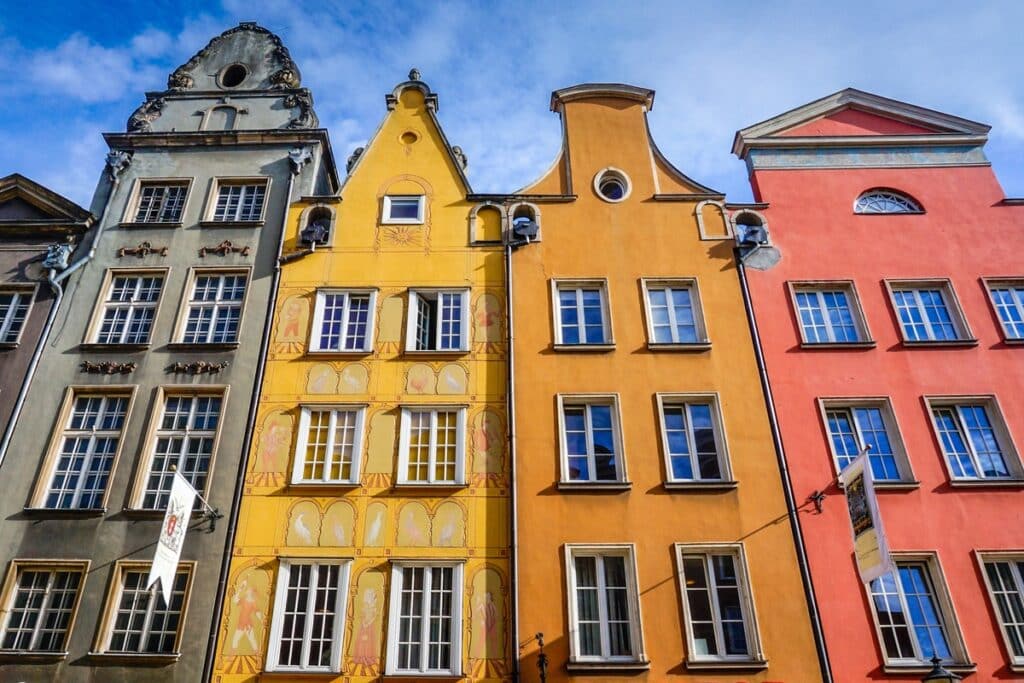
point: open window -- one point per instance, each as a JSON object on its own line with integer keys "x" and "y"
{"x": 438, "y": 320}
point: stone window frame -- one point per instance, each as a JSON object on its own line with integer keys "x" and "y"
{"x": 860, "y": 320}
{"x": 213, "y": 192}
{"x": 965, "y": 337}
{"x": 184, "y": 305}
{"x": 612, "y": 400}
{"x": 663, "y": 399}
{"x": 894, "y": 431}
{"x": 601, "y": 283}
{"x": 14, "y": 569}
{"x": 1000, "y": 426}
{"x": 983, "y": 557}
{"x": 992, "y": 283}
{"x": 131, "y": 207}
{"x": 703, "y": 342}
{"x": 96, "y": 318}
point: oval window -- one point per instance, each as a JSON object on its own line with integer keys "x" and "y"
{"x": 612, "y": 185}
{"x": 233, "y": 76}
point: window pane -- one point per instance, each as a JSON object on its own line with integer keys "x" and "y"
{"x": 405, "y": 208}
{"x": 143, "y": 622}
{"x": 184, "y": 441}
{"x": 1009, "y": 303}
{"x": 1008, "y": 593}
{"x": 13, "y": 311}
{"x": 86, "y": 456}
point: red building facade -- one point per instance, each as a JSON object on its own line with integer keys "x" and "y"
{"x": 892, "y": 319}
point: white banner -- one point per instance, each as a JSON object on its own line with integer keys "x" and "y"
{"x": 172, "y": 536}
{"x": 869, "y": 543}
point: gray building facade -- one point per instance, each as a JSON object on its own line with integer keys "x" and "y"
{"x": 151, "y": 368}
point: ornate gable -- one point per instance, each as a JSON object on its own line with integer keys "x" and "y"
{"x": 246, "y": 57}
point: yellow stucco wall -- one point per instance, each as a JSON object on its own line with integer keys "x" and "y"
{"x": 623, "y": 242}
{"x": 378, "y": 521}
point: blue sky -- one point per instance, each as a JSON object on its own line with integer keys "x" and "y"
{"x": 69, "y": 71}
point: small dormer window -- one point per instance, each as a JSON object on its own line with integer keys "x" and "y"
{"x": 233, "y": 76}
{"x": 885, "y": 201}
{"x": 402, "y": 208}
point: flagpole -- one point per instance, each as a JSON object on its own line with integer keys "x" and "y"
{"x": 209, "y": 512}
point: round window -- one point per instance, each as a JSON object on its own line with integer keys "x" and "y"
{"x": 409, "y": 137}
{"x": 233, "y": 76}
{"x": 612, "y": 185}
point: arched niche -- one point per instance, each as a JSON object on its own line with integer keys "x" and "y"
{"x": 519, "y": 215}
{"x": 487, "y": 223}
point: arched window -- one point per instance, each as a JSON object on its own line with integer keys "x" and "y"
{"x": 885, "y": 201}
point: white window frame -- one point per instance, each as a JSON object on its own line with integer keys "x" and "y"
{"x": 992, "y": 284}
{"x": 689, "y": 284}
{"x": 315, "y": 339}
{"x": 586, "y": 400}
{"x": 394, "y": 613}
{"x": 623, "y": 550}
{"x": 93, "y": 336}
{"x": 1013, "y": 558}
{"x": 949, "y": 299}
{"x": 420, "y": 211}
{"x": 850, "y": 404}
{"x": 285, "y": 566}
{"x": 819, "y": 288}
{"x": 217, "y": 304}
{"x": 460, "y": 444}
{"x": 671, "y": 400}
{"x": 214, "y": 196}
{"x": 22, "y": 296}
{"x": 752, "y": 632}
{"x": 11, "y": 587}
{"x": 601, "y": 284}
{"x": 302, "y": 442}
{"x": 412, "y": 320}
{"x": 946, "y": 613}
{"x": 1007, "y": 447}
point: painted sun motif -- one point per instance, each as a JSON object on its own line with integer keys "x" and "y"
{"x": 402, "y": 236}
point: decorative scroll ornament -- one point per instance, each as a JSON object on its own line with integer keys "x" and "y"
{"x": 303, "y": 101}
{"x": 197, "y": 367}
{"x": 107, "y": 367}
{"x": 141, "y": 120}
{"x": 223, "y": 249}
{"x": 144, "y": 249}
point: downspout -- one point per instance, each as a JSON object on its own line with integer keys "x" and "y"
{"x": 297, "y": 159}
{"x": 787, "y": 483}
{"x": 116, "y": 162}
{"x": 510, "y": 398}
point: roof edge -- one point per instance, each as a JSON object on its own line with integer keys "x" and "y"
{"x": 586, "y": 91}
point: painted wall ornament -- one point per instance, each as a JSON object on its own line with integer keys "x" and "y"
{"x": 247, "y": 615}
{"x": 488, "y": 627}
{"x": 366, "y": 621}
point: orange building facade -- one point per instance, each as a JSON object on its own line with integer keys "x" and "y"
{"x": 653, "y": 538}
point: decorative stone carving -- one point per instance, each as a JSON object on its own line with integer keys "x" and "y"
{"x": 414, "y": 74}
{"x": 142, "y": 118}
{"x": 144, "y": 249}
{"x": 299, "y": 157}
{"x": 223, "y": 249}
{"x": 460, "y": 157}
{"x": 287, "y": 76}
{"x": 284, "y": 79}
{"x": 197, "y": 367}
{"x": 353, "y": 158}
{"x": 117, "y": 161}
{"x": 107, "y": 367}
{"x": 303, "y": 101}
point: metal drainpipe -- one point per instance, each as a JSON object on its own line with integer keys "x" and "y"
{"x": 510, "y": 398}
{"x": 787, "y": 483}
{"x": 54, "y": 279}
{"x": 250, "y": 424}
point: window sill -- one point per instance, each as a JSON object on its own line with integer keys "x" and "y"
{"x": 584, "y": 667}
{"x": 137, "y": 658}
{"x": 435, "y": 352}
{"x": 25, "y": 656}
{"x": 402, "y": 221}
{"x": 9, "y": 345}
{"x": 201, "y": 346}
{"x": 1014, "y": 341}
{"x": 149, "y": 224}
{"x": 231, "y": 224}
{"x": 726, "y": 665}
{"x": 987, "y": 483}
{"x": 296, "y": 673}
{"x": 64, "y": 513}
{"x": 923, "y": 668}
{"x": 723, "y": 485}
{"x": 412, "y": 485}
{"x": 691, "y": 346}
{"x": 896, "y": 485}
{"x": 330, "y": 485}
{"x": 586, "y": 348}
{"x": 94, "y": 347}
{"x": 144, "y": 514}
{"x": 613, "y": 486}
{"x": 824, "y": 346}
{"x": 340, "y": 352}
{"x": 941, "y": 343}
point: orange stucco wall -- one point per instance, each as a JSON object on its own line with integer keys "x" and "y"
{"x": 641, "y": 237}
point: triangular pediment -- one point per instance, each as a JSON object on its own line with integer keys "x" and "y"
{"x": 854, "y": 121}
{"x": 22, "y": 200}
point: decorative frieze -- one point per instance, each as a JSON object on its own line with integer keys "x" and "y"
{"x": 107, "y": 367}
{"x": 143, "y": 250}
{"x": 223, "y": 249}
{"x": 196, "y": 367}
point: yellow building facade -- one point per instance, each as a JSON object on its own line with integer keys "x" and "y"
{"x": 374, "y": 532}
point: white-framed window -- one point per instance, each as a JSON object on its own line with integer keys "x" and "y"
{"x": 1004, "y": 577}
{"x": 432, "y": 445}
{"x": 582, "y": 313}
{"x": 438, "y": 320}
{"x": 974, "y": 438}
{"x": 403, "y": 208}
{"x": 239, "y": 201}
{"x": 720, "y": 617}
{"x": 129, "y": 308}
{"x": 604, "y": 607}
{"x": 14, "y": 307}
{"x": 1008, "y": 300}
{"x": 40, "y": 599}
{"x": 914, "y": 615}
{"x": 425, "y": 622}
{"x": 160, "y": 202}
{"x": 343, "y": 320}
{"x": 693, "y": 439}
{"x": 928, "y": 311}
{"x": 85, "y": 455}
{"x": 214, "y": 310}
{"x": 674, "y": 313}
{"x": 184, "y": 440}
{"x": 854, "y": 424}
{"x": 829, "y": 313}
{"x": 329, "y": 445}
{"x": 883, "y": 200}
{"x": 591, "y": 439}
{"x": 307, "y": 630}
{"x": 138, "y": 620}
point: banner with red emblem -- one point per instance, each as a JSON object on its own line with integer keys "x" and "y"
{"x": 172, "y": 536}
